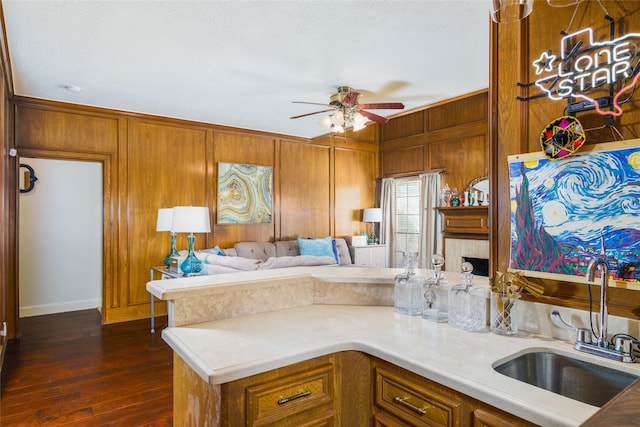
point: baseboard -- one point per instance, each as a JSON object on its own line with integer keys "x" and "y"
{"x": 61, "y": 307}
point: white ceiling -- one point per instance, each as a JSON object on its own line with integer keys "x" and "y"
{"x": 241, "y": 63}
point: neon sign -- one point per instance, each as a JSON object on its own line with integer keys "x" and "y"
{"x": 577, "y": 72}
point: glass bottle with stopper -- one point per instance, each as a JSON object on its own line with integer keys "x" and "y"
{"x": 467, "y": 303}
{"x": 435, "y": 293}
{"x": 408, "y": 287}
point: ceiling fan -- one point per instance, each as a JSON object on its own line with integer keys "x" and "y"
{"x": 347, "y": 110}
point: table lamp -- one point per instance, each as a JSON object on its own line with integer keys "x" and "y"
{"x": 190, "y": 219}
{"x": 163, "y": 223}
{"x": 372, "y": 215}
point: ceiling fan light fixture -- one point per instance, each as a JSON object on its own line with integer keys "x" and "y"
{"x": 359, "y": 121}
{"x": 337, "y": 118}
{"x": 326, "y": 122}
{"x": 345, "y": 110}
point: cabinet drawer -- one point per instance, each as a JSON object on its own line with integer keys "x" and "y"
{"x": 469, "y": 224}
{"x": 414, "y": 402}
{"x": 289, "y": 395}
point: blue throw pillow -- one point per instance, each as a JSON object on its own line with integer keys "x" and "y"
{"x": 217, "y": 251}
{"x": 334, "y": 246}
{"x": 316, "y": 247}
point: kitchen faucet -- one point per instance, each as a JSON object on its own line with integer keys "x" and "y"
{"x": 601, "y": 262}
{"x": 622, "y": 350}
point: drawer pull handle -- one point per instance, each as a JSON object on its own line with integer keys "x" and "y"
{"x": 294, "y": 397}
{"x": 405, "y": 402}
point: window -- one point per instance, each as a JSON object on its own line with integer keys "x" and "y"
{"x": 406, "y": 229}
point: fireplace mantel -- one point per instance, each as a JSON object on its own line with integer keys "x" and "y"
{"x": 465, "y": 234}
{"x": 465, "y": 222}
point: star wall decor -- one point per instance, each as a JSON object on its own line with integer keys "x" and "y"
{"x": 562, "y": 137}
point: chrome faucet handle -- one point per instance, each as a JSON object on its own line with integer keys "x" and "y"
{"x": 624, "y": 345}
{"x": 557, "y": 320}
{"x": 583, "y": 335}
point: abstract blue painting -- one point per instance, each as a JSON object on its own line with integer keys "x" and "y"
{"x": 245, "y": 193}
{"x": 566, "y": 212}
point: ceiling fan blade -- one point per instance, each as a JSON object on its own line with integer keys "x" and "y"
{"x": 310, "y": 114}
{"x": 310, "y": 103}
{"x": 374, "y": 117}
{"x": 383, "y": 106}
{"x": 351, "y": 98}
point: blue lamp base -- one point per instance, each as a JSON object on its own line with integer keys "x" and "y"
{"x": 191, "y": 265}
{"x": 373, "y": 239}
{"x": 173, "y": 252}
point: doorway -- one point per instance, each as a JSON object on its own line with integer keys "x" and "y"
{"x": 60, "y": 237}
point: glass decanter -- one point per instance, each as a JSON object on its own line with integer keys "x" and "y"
{"x": 467, "y": 303}
{"x": 435, "y": 293}
{"x": 407, "y": 287}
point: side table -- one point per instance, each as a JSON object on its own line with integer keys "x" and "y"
{"x": 369, "y": 256}
{"x": 166, "y": 274}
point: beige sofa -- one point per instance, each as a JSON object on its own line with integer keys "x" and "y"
{"x": 250, "y": 256}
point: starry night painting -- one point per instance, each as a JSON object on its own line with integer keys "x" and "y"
{"x": 566, "y": 212}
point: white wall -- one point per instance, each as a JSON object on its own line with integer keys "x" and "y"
{"x": 60, "y": 240}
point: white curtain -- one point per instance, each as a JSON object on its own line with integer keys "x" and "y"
{"x": 387, "y": 202}
{"x": 430, "y": 229}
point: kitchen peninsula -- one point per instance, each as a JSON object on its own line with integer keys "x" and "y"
{"x": 334, "y": 331}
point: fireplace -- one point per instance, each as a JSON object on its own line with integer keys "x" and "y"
{"x": 480, "y": 265}
{"x": 465, "y": 232}
{"x": 457, "y": 251}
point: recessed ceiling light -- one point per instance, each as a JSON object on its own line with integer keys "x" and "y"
{"x": 71, "y": 88}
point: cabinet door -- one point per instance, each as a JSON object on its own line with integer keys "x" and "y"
{"x": 378, "y": 256}
{"x": 491, "y": 417}
{"x": 369, "y": 256}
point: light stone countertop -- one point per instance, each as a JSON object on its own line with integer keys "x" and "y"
{"x": 243, "y": 340}
{"x": 229, "y": 349}
{"x": 170, "y": 289}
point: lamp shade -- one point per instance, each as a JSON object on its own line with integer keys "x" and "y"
{"x": 503, "y": 11}
{"x": 372, "y": 215}
{"x": 165, "y": 218}
{"x": 190, "y": 219}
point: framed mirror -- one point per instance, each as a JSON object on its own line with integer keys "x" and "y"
{"x": 479, "y": 187}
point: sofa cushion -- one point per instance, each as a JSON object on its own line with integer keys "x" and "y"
{"x": 234, "y": 263}
{"x": 229, "y": 251}
{"x": 296, "y": 261}
{"x": 287, "y": 248}
{"x": 344, "y": 256}
{"x": 316, "y": 247}
{"x": 255, "y": 250}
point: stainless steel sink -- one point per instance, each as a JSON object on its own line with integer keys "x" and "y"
{"x": 569, "y": 377}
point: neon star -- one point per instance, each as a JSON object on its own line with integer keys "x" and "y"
{"x": 544, "y": 63}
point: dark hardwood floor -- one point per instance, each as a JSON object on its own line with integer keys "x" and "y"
{"x": 69, "y": 370}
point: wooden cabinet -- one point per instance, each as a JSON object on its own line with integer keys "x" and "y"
{"x": 465, "y": 221}
{"x": 342, "y": 389}
{"x": 402, "y": 398}
{"x": 369, "y": 256}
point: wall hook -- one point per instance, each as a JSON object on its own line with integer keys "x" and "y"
{"x": 32, "y": 178}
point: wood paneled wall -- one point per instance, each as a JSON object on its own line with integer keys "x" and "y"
{"x": 518, "y": 124}
{"x": 320, "y": 185}
{"x": 451, "y": 136}
{"x": 8, "y": 165}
